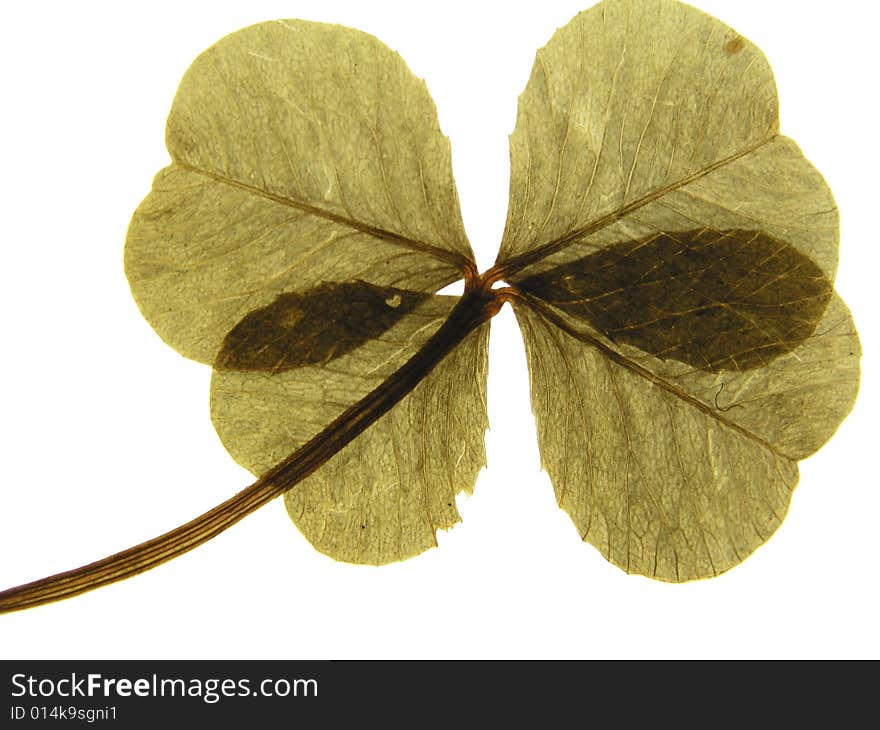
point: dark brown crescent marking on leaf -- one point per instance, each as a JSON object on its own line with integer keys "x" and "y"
{"x": 717, "y": 300}
{"x": 314, "y": 327}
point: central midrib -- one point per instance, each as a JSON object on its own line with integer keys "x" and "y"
{"x": 456, "y": 259}
{"x": 518, "y": 263}
{"x": 548, "y": 313}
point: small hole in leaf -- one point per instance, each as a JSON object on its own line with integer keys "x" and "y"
{"x": 455, "y": 289}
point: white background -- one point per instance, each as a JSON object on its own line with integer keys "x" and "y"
{"x": 106, "y": 441}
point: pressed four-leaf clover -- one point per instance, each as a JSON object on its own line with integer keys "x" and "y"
{"x": 664, "y": 245}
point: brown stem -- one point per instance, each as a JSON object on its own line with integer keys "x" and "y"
{"x": 477, "y": 306}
